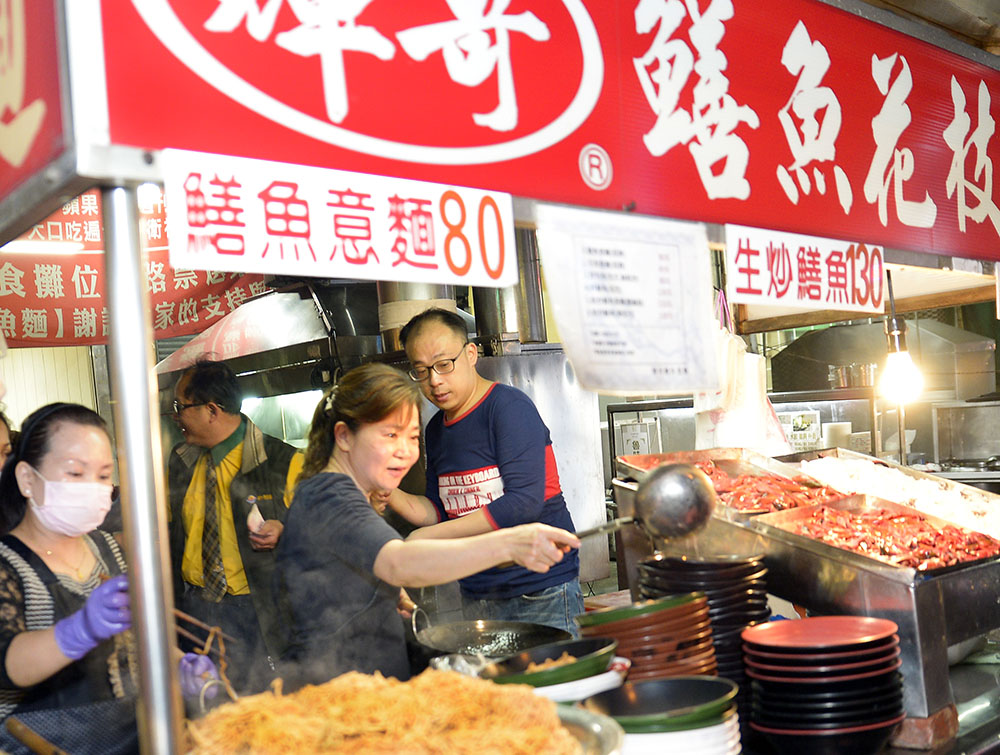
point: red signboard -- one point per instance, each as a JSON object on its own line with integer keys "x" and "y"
{"x": 31, "y": 116}
{"x": 52, "y": 282}
{"x": 787, "y": 114}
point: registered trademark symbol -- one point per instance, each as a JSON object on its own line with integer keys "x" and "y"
{"x": 595, "y": 167}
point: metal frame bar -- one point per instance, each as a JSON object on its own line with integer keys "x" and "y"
{"x": 159, "y": 707}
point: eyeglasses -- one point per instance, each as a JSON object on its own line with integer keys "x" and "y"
{"x": 179, "y": 407}
{"x": 441, "y": 367}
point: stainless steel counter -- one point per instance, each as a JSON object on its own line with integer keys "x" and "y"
{"x": 933, "y": 611}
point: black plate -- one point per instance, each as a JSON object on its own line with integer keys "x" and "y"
{"x": 885, "y": 706}
{"x": 843, "y": 691}
{"x": 713, "y": 593}
{"x": 710, "y": 575}
{"x": 730, "y": 616}
{"x": 868, "y": 741}
{"x": 751, "y": 597}
{"x": 724, "y": 561}
{"x": 707, "y": 583}
{"x": 821, "y": 673}
{"x": 842, "y": 665}
{"x": 879, "y": 696}
{"x": 826, "y": 720}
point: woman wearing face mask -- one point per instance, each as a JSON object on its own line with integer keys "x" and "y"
{"x": 341, "y": 565}
{"x": 68, "y": 664}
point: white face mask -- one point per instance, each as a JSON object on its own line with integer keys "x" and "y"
{"x": 72, "y": 508}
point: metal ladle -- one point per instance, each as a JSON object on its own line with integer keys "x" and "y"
{"x": 673, "y": 500}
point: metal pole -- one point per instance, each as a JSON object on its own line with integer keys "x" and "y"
{"x": 135, "y": 405}
{"x": 901, "y": 426}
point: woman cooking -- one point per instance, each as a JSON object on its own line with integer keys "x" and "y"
{"x": 341, "y": 565}
{"x": 68, "y": 662}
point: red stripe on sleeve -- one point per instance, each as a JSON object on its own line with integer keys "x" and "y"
{"x": 552, "y": 486}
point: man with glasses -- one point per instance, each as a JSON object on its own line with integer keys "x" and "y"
{"x": 489, "y": 465}
{"x": 229, "y": 489}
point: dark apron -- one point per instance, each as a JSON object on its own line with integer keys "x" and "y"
{"x": 75, "y": 709}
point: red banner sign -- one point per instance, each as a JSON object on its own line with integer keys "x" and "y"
{"x": 52, "y": 281}
{"x": 786, "y": 114}
{"x": 31, "y": 116}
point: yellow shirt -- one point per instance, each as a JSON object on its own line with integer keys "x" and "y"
{"x": 193, "y": 515}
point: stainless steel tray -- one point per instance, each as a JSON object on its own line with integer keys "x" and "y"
{"x": 733, "y": 461}
{"x": 976, "y": 503}
{"x": 972, "y": 494}
{"x": 786, "y": 520}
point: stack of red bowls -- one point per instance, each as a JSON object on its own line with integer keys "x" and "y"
{"x": 825, "y": 684}
{"x": 666, "y": 637}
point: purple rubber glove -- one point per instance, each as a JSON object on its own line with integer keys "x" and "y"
{"x": 195, "y": 671}
{"x": 105, "y": 614}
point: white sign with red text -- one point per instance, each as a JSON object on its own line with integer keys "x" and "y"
{"x": 632, "y": 297}
{"x": 257, "y": 216}
{"x": 806, "y": 272}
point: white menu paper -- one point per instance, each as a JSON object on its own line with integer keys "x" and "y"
{"x": 632, "y": 297}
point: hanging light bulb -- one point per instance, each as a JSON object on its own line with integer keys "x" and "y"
{"x": 901, "y": 380}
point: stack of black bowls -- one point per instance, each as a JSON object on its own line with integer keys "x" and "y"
{"x": 736, "y": 589}
{"x": 826, "y": 685}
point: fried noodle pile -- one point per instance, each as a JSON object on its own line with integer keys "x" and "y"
{"x": 436, "y": 712}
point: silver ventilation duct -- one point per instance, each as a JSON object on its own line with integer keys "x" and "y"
{"x": 515, "y": 313}
{"x": 399, "y": 302}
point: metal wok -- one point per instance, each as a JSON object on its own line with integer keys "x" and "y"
{"x": 492, "y": 639}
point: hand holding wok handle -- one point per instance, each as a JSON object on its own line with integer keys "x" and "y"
{"x": 105, "y": 614}
{"x": 405, "y": 605}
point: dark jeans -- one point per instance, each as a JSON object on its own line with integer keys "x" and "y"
{"x": 554, "y": 606}
{"x": 249, "y": 668}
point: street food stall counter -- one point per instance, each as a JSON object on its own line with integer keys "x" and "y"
{"x": 935, "y": 609}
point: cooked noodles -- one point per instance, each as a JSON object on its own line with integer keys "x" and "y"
{"x": 563, "y": 660}
{"x": 215, "y": 633}
{"x": 436, "y": 712}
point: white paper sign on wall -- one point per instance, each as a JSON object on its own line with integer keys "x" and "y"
{"x": 632, "y": 297}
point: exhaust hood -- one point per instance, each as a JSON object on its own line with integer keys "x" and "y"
{"x": 953, "y": 361}
{"x": 286, "y": 341}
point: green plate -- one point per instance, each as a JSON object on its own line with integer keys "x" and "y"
{"x": 642, "y": 608}
{"x": 674, "y": 701}
{"x": 671, "y": 725}
{"x": 593, "y": 656}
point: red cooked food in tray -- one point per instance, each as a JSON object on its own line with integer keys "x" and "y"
{"x": 897, "y": 538}
{"x": 765, "y": 492}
